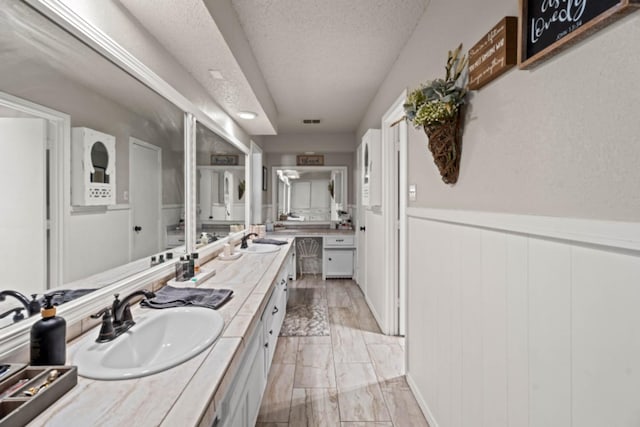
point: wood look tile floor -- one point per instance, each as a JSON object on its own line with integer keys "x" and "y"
{"x": 354, "y": 377}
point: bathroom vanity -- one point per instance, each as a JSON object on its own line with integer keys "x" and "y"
{"x": 334, "y": 251}
{"x": 221, "y": 386}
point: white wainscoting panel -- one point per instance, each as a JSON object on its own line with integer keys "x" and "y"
{"x": 605, "y": 338}
{"x": 517, "y": 331}
{"x": 550, "y": 333}
{"x": 471, "y": 318}
{"x": 494, "y": 328}
{"x": 95, "y": 241}
{"x": 509, "y": 328}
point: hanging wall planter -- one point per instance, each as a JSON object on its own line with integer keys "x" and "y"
{"x": 241, "y": 190}
{"x": 445, "y": 144}
{"x": 437, "y": 107}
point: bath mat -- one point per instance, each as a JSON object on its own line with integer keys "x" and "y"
{"x": 305, "y": 320}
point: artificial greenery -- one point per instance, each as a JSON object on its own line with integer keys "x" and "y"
{"x": 241, "y": 187}
{"x": 438, "y": 100}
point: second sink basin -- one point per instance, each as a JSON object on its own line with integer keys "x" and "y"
{"x": 261, "y": 248}
{"x": 160, "y": 339}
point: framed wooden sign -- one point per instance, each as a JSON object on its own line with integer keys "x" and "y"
{"x": 224, "y": 159}
{"x": 310, "y": 160}
{"x": 494, "y": 54}
{"x": 550, "y": 26}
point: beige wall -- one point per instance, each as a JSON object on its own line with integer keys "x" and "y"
{"x": 560, "y": 140}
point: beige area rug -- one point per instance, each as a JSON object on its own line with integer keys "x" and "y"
{"x": 306, "y": 320}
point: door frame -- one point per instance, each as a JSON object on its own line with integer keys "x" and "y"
{"x": 135, "y": 141}
{"x": 395, "y": 176}
{"x": 59, "y": 147}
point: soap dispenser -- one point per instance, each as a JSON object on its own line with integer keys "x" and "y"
{"x": 48, "y": 336}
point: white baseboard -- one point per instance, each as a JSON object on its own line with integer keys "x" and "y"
{"x": 374, "y": 312}
{"x": 421, "y": 402}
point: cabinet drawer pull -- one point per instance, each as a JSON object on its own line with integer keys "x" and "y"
{"x": 266, "y": 345}
{"x": 275, "y": 310}
{"x": 339, "y": 240}
{"x": 271, "y": 332}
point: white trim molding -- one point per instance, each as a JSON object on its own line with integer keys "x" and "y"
{"x": 64, "y": 16}
{"x": 614, "y": 234}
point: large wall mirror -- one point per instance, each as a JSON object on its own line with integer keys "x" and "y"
{"x": 222, "y": 193}
{"x": 47, "y": 240}
{"x": 309, "y": 194}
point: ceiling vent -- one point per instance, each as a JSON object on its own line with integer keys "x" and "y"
{"x": 311, "y": 121}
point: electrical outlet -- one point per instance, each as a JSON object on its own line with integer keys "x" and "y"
{"x": 412, "y": 192}
{"x": 125, "y": 195}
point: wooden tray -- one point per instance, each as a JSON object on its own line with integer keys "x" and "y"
{"x": 17, "y": 409}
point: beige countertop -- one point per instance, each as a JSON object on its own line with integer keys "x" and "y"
{"x": 186, "y": 395}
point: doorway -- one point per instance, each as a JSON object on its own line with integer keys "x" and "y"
{"x": 36, "y": 137}
{"x": 394, "y": 143}
{"x": 145, "y": 185}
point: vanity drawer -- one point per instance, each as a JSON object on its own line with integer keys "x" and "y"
{"x": 339, "y": 240}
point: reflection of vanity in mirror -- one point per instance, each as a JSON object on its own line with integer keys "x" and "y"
{"x": 309, "y": 194}
{"x": 96, "y": 164}
{"x": 221, "y": 188}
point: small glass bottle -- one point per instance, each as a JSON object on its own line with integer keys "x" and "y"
{"x": 196, "y": 263}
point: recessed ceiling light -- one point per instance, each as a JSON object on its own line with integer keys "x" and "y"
{"x": 216, "y": 74}
{"x": 309, "y": 152}
{"x": 247, "y": 115}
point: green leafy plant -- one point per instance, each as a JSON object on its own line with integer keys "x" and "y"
{"x": 241, "y": 189}
{"x": 438, "y": 100}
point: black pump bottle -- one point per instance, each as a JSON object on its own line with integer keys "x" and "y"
{"x": 49, "y": 336}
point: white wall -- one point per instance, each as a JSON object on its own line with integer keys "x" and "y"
{"x": 523, "y": 329}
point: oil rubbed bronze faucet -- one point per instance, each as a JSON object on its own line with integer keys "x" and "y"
{"x": 244, "y": 245}
{"x": 117, "y": 319}
{"x": 32, "y": 307}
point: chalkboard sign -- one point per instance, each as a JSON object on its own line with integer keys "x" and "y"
{"x": 548, "y": 26}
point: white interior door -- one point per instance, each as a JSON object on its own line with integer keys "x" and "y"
{"x": 23, "y": 217}
{"x": 146, "y": 198}
{"x": 361, "y": 235}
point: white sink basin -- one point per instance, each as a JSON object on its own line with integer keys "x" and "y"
{"x": 160, "y": 339}
{"x": 261, "y": 248}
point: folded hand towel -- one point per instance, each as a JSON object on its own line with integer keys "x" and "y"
{"x": 270, "y": 241}
{"x": 179, "y": 297}
{"x": 66, "y": 295}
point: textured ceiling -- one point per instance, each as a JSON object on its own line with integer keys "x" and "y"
{"x": 186, "y": 29}
{"x": 326, "y": 59}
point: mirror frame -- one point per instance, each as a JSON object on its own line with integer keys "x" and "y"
{"x": 16, "y": 337}
{"x": 274, "y": 191}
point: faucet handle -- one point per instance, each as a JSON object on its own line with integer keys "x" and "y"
{"x": 34, "y": 305}
{"x": 107, "y": 332}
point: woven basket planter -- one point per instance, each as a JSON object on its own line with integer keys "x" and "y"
{"x": 445, "y": 144}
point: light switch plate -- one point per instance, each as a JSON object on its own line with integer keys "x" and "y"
{"x": 412, "y": 192}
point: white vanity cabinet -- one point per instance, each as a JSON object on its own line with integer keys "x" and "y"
{"x": 241, "y": 404}
{"x": 338, "y": 256}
